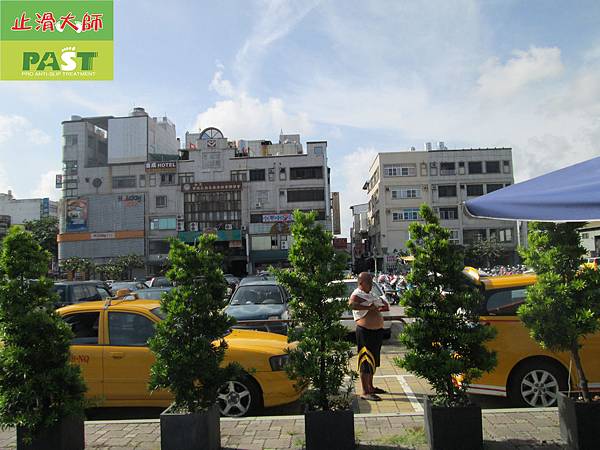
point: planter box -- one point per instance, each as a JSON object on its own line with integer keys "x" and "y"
{"x": 183, "y": 431}
{"x": 67, "y": 434}
{"x": 453, "y": 428}
{"x": 326, "y": 430}
{"x": 578, "y": 422}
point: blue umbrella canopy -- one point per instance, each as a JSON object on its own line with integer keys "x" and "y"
{"x": 571, "y": 194}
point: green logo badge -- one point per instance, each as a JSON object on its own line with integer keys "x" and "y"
{"x": 56, "y": 40}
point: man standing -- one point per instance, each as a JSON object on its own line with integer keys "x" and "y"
{"x": 366, "y": 309}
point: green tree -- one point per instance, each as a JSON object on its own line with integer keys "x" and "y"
{"x": 76, "y": 264}
{"x": 321, "y": 358}
{"x": 446, "y": 339}
{"x": 189, "y": 343}
{"x": 109, "y": 271}
{"x": 562, "y": 307}
{"x": 484, "y": 252}
{"x": 44, "y": 231}
{"x": 38, "y": 385}
{"x": 127, "y": 263}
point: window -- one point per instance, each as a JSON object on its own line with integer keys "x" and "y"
{"x": 493, "y": 187}
{"x": 282, "y": 174}
{"x": 505, "y": 302}
{"x": 152, "y": 179}
{"x": 71, "y": 184}
{"x": 161, "y": 201}
{"x": 447, "y": 190}
{"x": 396, "y": 170}
{"x": 255, "y": 218}
{"x": 186, "y": 177}
{"x": 142, "y": 180}
{"x": 406, "y": 192}
{"x": 501, "y": 234}
{"x": 305, "y": 195}
{"x": 167, "y": 179}
{"x": 124, "y": 182}
{"x": 158, "y": 247}
{"x": 257, "y": 175}
{"x": 475, "y": 167}
{"x": 261, "y": 242}
{"x": 271, "y": 174}
{"x": 454, "y": 237}
{"x": 585, "y": 235}
{"x": 70, "y": 139}
{"x": 471, "y": 236}
{"x": 449, "y": 213}
{"x": 306, "y": 173}
{"x": 447, "y": 168}
{"x": 262, "y": 197}
{"x": 492, "y": 167}
{"x": 474, "y": 190}
{"x": 129, "y": 330}
{"x": 163, "y": 223}
{"x": 506, "y": 166}
{"x": 70, "y": 167}
{"x": 84, "y": 327}
{"x": 239, "y": 175}
{"x": 405, "y": 214}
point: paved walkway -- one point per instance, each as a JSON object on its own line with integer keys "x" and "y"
{"x": 503, "y": 429}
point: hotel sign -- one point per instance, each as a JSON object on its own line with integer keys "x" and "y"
{"x": 161, "y": 166}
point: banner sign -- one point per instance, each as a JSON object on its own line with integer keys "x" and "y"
{"x": 102, "y": 235}
{"x": 130, "y": 200}
{"x": 56, "y": 40}
{"x": 161, "y": 166}
{"x": 77, "y": 214}
{"x": 268, "y": 218}
{"x": 211, "y": 186}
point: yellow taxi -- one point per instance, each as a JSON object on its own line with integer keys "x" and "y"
{"x": 110, "y": 346}
{"x": 526, "y": 373}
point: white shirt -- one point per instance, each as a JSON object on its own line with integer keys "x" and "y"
{"x": 368, "y": 299}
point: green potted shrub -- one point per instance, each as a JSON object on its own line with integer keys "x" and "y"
{"x": 446, "y": 339}
{"x": 41, "y": 393}
{"x": 190, "y": 347}
{"x": 319, "y": 363}
{"x": 560, "y": 310}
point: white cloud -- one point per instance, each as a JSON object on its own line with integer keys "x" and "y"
{"x": 499, "y": 80}
{"x": 11, "y": 126}
{"x": 46, "y": 186}
{"x": 221, "y": 86}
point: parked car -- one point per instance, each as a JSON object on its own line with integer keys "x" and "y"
{"x": 348, "y": 320}
{"x": 253, "y": 278}
{"x": 110, "y": 346}
{"x": 152, "y": 293}
{"x": 260, "y": 300}
{"x": 526, "y": 373}
{"x": 159, "y": 282}
{"x": 131, "y": 285}
{"x": 232, "y": 280}
{"x": 71, "y": 292}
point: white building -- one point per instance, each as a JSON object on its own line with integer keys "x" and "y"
{"x": 27, "y": 209}
{"x": 399, "y": 182}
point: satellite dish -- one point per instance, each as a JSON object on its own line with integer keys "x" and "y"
{"x": 211, "y": 133}
{"x": 96, "y": 182}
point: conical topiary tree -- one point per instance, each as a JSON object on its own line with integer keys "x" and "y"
{"x": 446, "y": 338}
{"x": 321, "y": 358}
{"x": 38, "y": 385}
{"x": 189, "y": 343}
{"x": 564, "y": 305}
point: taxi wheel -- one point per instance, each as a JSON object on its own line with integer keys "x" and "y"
{"x": 238, "y": 398}
{"x": 537, "y": 384}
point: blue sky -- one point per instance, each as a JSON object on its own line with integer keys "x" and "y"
{"x": 366, "y": 76}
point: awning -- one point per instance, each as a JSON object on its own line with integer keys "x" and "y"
{"x": 571, "y": 194}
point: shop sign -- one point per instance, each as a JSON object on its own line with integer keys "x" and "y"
{"x": 269, "y": 218}
{"x": 161, "y": 166}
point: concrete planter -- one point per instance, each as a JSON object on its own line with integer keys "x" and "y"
{"x": 184, "y": 431}
{"x": 578, "y": 422}
{"x": 67, "y": 434}
{"x": 453, "y": 428}
{"x": 326, "y": 430}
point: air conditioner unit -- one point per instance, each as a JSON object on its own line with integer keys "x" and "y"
{"x": 193, "y": 226}
{"x": 228, "y": 226}
{"x": 258, "y": 206}
{"x": 432, "y": 164}
{"x": 387, "y": 189}
{"x": 434, "y": 188}
{"x": 179, "y": 217}
{"x": 425, "y": 187}
{"x": 180, "y": 226}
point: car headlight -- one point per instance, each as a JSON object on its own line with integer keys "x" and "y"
{"x": 278, "y": 362}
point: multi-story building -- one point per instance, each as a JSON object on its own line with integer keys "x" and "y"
{"x": 18, "y": 211}
{"x": 128, "y": 188}
{"x": 399, "y": 182}
{"x": 359, "y": 234}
